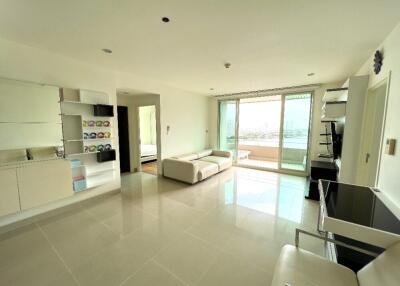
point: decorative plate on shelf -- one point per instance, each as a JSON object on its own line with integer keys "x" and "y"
{"x": 99, "y": 123}
{"x": 92, "y": 135}
{"x": 91, "y": 123}
{"x": 107, "y": 134}
{"x": 106, "y": 123}
{"x": 100, "y": 135}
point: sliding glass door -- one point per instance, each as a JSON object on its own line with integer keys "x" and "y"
{"x": 295, "y": 131}
{"x": 228, "y": 126}
{"x": 269, "y": 132}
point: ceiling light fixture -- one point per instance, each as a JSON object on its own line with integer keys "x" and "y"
{"x": 227, "y": 65}
{"x": 311, "y": 74}
{"x": 211, "y": 88}
{"x": 107, "y": 51}
{"x": 165, "y": 19}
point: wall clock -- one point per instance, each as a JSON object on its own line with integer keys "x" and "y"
{"x": 378, "y": 59}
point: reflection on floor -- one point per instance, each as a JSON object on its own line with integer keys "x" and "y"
{"x": 227, "y": 230}
{"x": 270, "y": 164}
{"x": 259, "y": 163}
{"x": 150, "y": 167}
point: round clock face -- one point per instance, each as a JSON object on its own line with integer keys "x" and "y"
{"x": 378, "y": 59}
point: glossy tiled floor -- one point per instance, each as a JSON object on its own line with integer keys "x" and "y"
{"x": 227, "y": 230}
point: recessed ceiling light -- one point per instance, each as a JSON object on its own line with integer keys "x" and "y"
{"x": 311, "y": 74}
{"x": 227, "y": 65}
{"x": 107, "y": 51}
{"x": 211, "y": 88}
{"x": 165, "y": 19}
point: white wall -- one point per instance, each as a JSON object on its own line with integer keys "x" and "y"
{"x": 389, "y": 179}
{"x": 147, "y": 120}
{"x": 186, "y": 113}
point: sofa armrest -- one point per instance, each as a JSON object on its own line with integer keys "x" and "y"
{"x": 220, "y": 153}
{"x": 181, "y": 170}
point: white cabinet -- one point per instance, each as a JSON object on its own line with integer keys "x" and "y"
{"x": 44, "y": 182}
{"x": 9, "y": 199}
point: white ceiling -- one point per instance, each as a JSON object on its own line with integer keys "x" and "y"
{"x": 270, "y": 44}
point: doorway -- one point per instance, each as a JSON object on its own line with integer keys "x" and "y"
{"x": 148, "y": 139}
{"x": 372, "y": 135}
{"x": 267, "y": 132}
{"x": 123, "y": 135}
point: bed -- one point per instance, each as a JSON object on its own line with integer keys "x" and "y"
{"x": 148, "y": 152}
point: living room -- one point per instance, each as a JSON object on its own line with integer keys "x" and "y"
{"x": 270, "y": 148}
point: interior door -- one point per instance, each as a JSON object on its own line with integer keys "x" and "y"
{"x": 123, "y": 134}
{"x": 228, "y": 126}
{"x": 372, "y": 136}
{"x": 295, "y": 131}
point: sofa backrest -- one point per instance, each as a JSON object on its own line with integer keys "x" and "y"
{"x": 204, "y": 153}
{"x": 188, "y": 157}
{"x": 383, "y": 270}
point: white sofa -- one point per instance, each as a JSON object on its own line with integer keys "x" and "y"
{"x": 298, "y": 267}
{"x": 194, "y": 167}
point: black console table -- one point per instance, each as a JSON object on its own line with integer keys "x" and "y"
{"x": 320, "y": 170}
{"x": 357, "y": 216}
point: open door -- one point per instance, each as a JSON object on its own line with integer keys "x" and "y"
{"x": 123, "y": 134}
{"x": 372, "y": 135}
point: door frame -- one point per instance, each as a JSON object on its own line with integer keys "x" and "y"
{"x": 386, "y": 80}
{"x": 158, "y": 137}
{"x": 279, "y": 169}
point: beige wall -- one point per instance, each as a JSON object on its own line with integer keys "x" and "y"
{"x": 389, "y": 179}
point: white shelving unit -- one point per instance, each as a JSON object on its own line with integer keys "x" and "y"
{"x": 77, "y": 113}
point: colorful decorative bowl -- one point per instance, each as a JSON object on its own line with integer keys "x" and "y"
{"x": 84, "y": 123}
{"x": 107, "y": 134}
{"x": 92, "y": 148}
{"x": 100, "y": 135}
{"x": 100, "y": 147}
{"x": 106, "y": 123}
{"x": 86, "y": 149}
{"x": 85, "y": 135}
{"x": 107, "y": 147}
{"x": 92, "y": 135}
{"x": 91, "y": 123}
{"x": 99, "y": 123}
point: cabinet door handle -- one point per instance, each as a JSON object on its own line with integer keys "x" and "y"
{"x": 367, "y": 155}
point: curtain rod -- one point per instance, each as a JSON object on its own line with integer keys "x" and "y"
{"x": 265, "y": 92}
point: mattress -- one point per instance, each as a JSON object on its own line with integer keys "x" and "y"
{"x": 148, "y": 150}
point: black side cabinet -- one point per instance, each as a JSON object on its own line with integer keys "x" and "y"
{"x": 320, "y": 170}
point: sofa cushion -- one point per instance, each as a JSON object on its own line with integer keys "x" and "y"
{"x": 204, "y": 153}
{"x": 188, "y": 157}
{"x": 222, "y": 162}
{"x": 383, "y": 270}
{"x": 7, "y": 156}
{"x": 206, "y": 169}
{"x": 299, "y": 267}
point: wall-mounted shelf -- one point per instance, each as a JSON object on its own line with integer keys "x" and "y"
{"x": 78, "y": 108}
{"x": 75, "y": 102}
{"x": 82, "y": 140}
